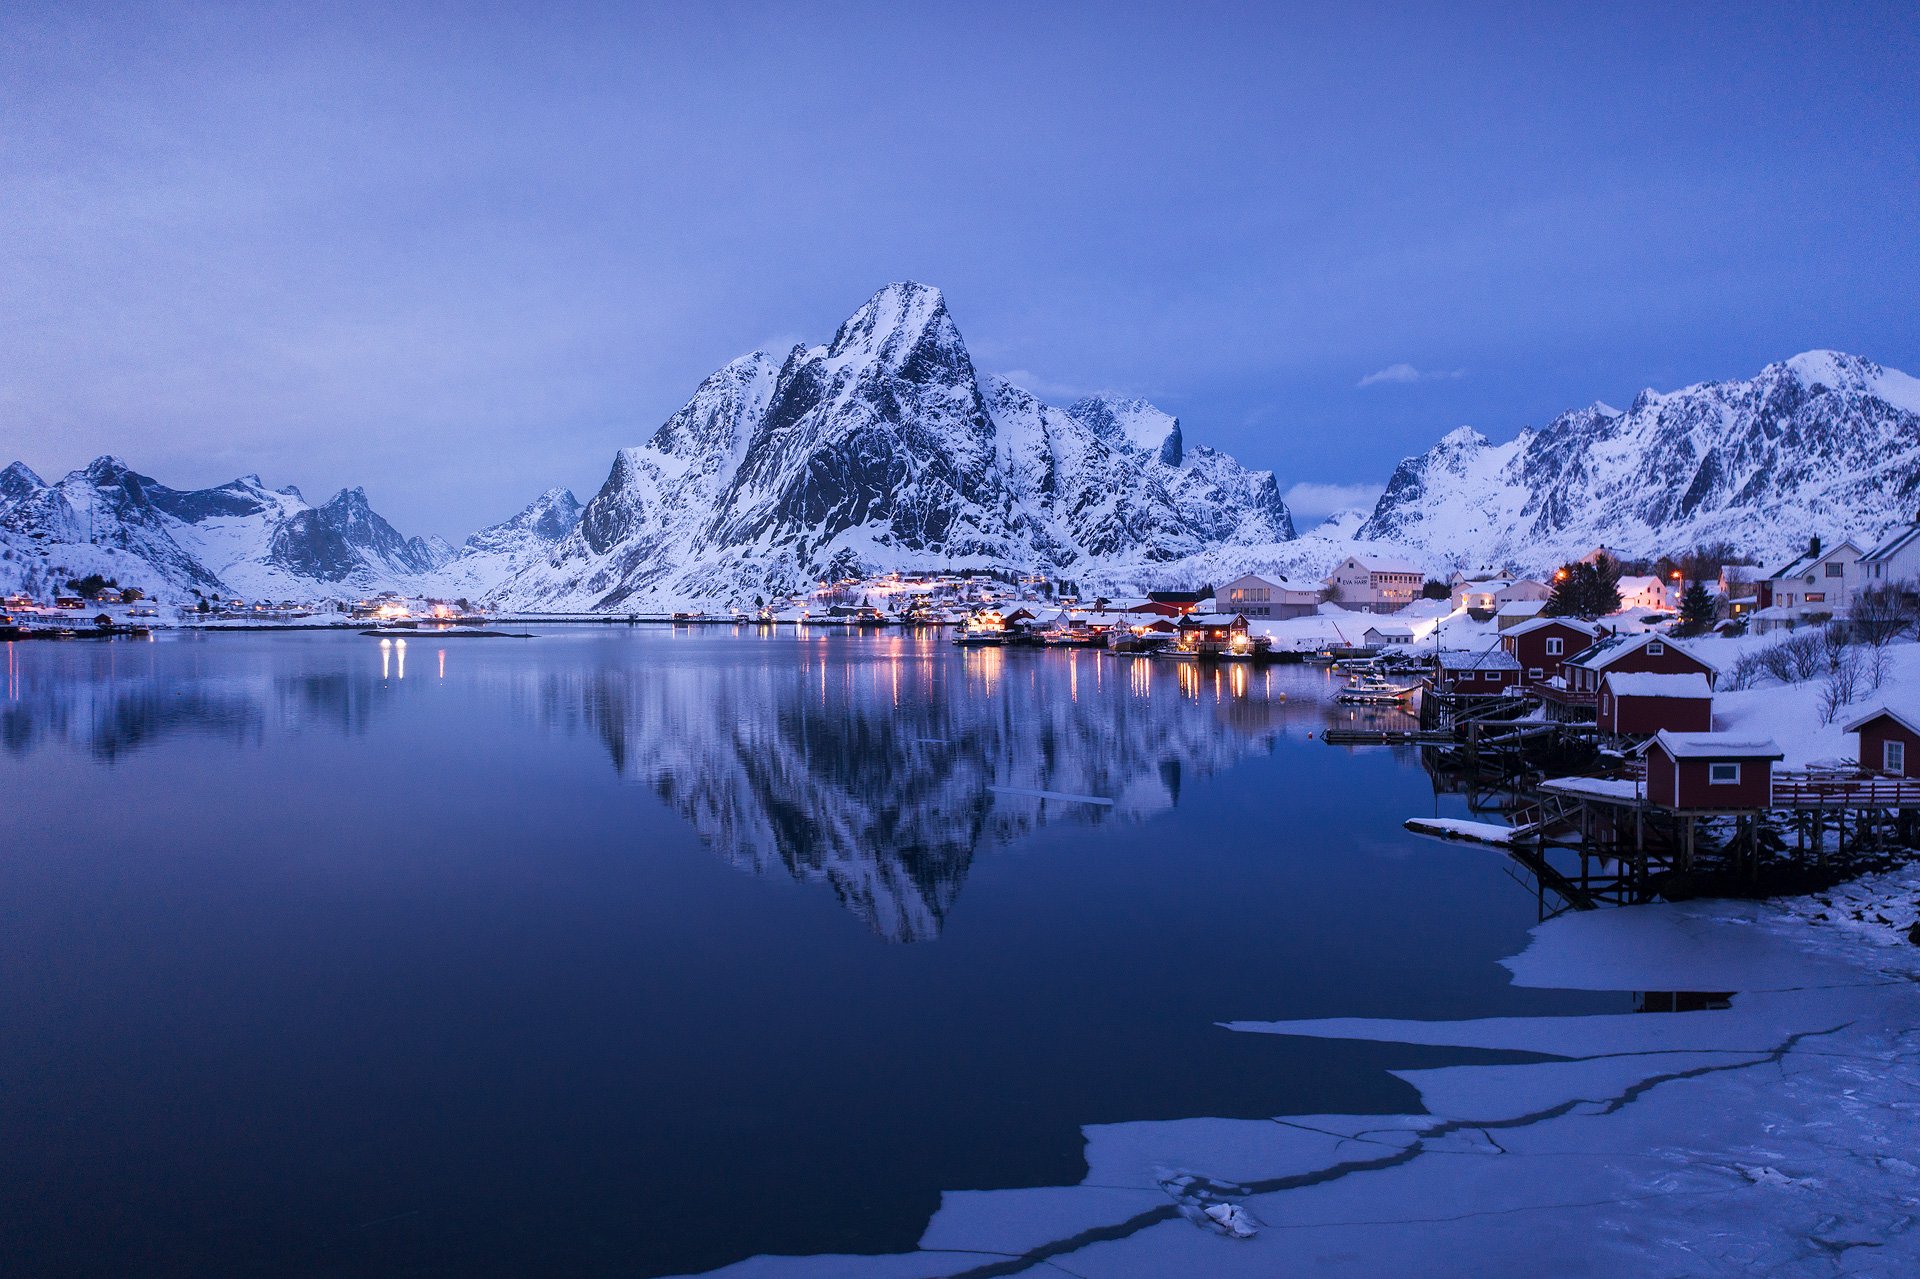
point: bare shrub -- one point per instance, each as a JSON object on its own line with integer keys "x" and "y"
{"x": 1747, "y": 671}
{"x": 1878, "y": 664}
{"x": 1795, "y": 659}
{"x": 1842, "y": 684}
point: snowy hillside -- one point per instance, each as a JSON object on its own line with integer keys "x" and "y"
{"x": 885, "y": 449}
{"x": 1823, "y": 443}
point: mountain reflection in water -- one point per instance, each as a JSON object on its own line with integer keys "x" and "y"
{"x": 878, "y": 767}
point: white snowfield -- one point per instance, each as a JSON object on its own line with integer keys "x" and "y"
{"x": 1780, "y": 1136}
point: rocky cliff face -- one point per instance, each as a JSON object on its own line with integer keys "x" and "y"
{"x": 885, "y": 449}
{"x": 1823, "y": 443}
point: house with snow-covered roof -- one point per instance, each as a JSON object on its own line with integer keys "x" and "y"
{"x": 1644, "y": 591}
{"x": 1264, "y": 598}
{"x": 1710, "y": 772}
{"x": 1375, "y": 583}
{"x": 1641, "y": 703}
{"x": 1889, "y": 742}
{"x": 1517, "y": 612}
{"x": 1488, "y": 595}
{"x": 1387, "y": 635}
{"x": 1814, "y": 586}
{"x": 1541, "y": 644}
{"x": 1485, "y": 672}
{"x": 1895, "y": 560}
{"x": 1648, "y": 651}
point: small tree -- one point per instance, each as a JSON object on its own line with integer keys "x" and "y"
{"x": 1436, "y": 590}
{"x": 1696, "y": 610}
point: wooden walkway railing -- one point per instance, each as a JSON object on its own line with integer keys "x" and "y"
{"x": 1804, "y": 789}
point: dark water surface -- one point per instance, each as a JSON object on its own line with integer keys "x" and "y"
{"x": 627, "y": 951}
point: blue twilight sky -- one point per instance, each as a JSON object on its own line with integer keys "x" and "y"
{"x": 457, "y": 253}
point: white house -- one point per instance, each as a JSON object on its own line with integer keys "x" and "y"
{"x": 1489, "y": 594}
{"x": 1644, "y": 592}
{"x": 1375, "y": 584}
{"x": 1254, "y": 596}
{"x": 1816, "y": 585}
{"x": 1387, "y": 635}
{"x": 1895, "y": 560}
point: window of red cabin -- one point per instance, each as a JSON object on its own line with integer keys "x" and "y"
{"x": 1723, "y": 774}
{"x": 1893, "y": 755}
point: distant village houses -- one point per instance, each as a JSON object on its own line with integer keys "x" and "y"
{"x": 1489, "y": 595}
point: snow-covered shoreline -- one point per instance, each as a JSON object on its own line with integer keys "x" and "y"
{"x": 1775, "y": 1136}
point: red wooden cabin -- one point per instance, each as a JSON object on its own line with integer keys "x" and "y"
{"x": 1651, "y": 652}
{"x": 1889, "y": 742}
{"x": 1540, "y": 646}
{"x": 1710, "y": 772}
{"x": 1640, "y": 704}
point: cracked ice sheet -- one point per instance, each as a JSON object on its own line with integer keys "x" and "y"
{"x": 1776, "y": 1137}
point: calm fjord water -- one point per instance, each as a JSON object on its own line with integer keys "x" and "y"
{"x": 323, "y": 959}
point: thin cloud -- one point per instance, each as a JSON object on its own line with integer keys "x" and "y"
{"x": 1310, "y": 501}
{"x": 1407, "y": 373}
{"x": 1049, "y": 390}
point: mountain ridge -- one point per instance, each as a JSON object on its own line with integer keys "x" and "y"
{"x": 885, "y": 448}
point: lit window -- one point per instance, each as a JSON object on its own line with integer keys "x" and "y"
{"x": 1723, "y": 774}
{"x": 1816, "y": 597}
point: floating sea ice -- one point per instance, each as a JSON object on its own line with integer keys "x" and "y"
{"x": 1232, "y": 1220}
{"x": 1200, "y": 1202}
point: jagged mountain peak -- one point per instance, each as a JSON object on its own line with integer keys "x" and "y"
{"x": 1462, "y": 437}
{"x": 108, "y": 469}
{"x": 19, "y": 480}
{"x": 888, "y": 326}
{"x": 885, "y": 448}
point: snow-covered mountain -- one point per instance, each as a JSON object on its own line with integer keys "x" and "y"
{"x": 1823, "y": 443}
{"x": 497, "y": 552}
{"x": 886, "y": 449}
{"x": 239, "y": 538}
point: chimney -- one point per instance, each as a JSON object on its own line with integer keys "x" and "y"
{"x": 1813, "y": 546}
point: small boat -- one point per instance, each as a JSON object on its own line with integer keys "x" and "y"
{"x": 980, "y": 639}
{"x": 1374, "y": 690}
